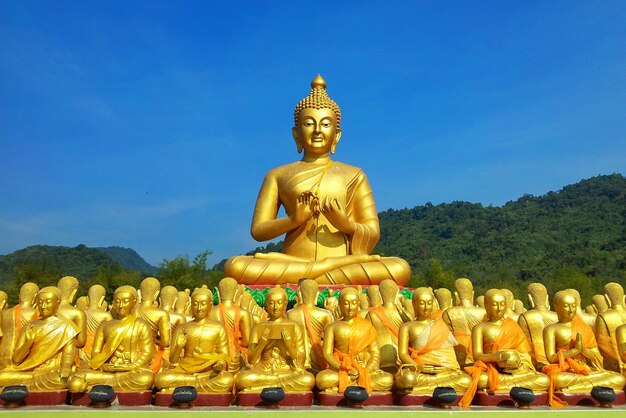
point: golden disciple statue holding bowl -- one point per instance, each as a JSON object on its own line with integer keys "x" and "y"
{"x": 331, "y": 222}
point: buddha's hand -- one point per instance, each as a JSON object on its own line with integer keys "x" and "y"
{"x": 265, "y": 337}
{"x": 65, "y": 372}
{"x": 353, "y": 373}
{"x": 333, "y": 211}
{"x": 219, "y": 366}
{"x": 181, "y": 340}
{"x": 503, "y": 355}
{"x": 286, "y": 336}
{"x": 578, "y": 345}
{"x": 305, "y": 204}
{"x": 29, "y": 334}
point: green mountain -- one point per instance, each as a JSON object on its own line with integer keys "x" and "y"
{"x": 129, "y": 259}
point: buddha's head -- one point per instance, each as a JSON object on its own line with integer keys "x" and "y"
{"x": 316, "y": 122}
{"x": 308, "y": 290}
{"x": 373, "y": 294}
{"x": 168, "y": 296}
{"x": 480, "y": 301}
{"x": 96, "y": 294}
{"x": 201, "y": 302}
{"x": 349, "y": 302}
{"x": 182, "y": 301}
{"x": 82, "y": 303}
{"x": 510, "y": 299}
{"x": 538, "y": 295}
{"x": 227, "y": 288}
{"x": 495, "y": 304}
{"x": 388, "y": 290}
{"x": 149, "y": 288}
{"x": 48, "y": 300}
{"x": 68, "y": 286}
{"x": 124, "y": 301}
{"x": 3, "y": 299}
{"x": 276, "y": 303}
{"x": 444, "y": 298}
{"x": 463, "y": 290}
{"x": 565, "y": 305}
{"x": 614, "y": 293}
{"x": 423, "y": 299}
{"x": 28, "y": 291}
{"x": 599, "y": 303}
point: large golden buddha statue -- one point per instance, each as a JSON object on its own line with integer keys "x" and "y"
{"x": 199, "y": 352}
{"x": 331, "y": 224}
{"x": 45, "y": 349}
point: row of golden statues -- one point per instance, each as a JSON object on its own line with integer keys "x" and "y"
{"x": 162, "y": 338}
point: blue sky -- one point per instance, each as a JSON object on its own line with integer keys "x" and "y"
{"x": 151, "y": 124}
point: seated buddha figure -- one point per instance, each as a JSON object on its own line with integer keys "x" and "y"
{"x": 199, "y": 352}
{"x": 426, "y": 350}
{"x": 571, "y": 348}
{"x": 15, "y": 318}
{"x": 351, "y": 351}
{"x": 501, "y": 353}
{"x": 620, "y": 336}
{"x": 45, "y": 349}
{"x": 534, "y": 321}
{"x": 122, "y": 350}
{"x": 331, "y": 222}
{"x": 607, "y": 323}
{"x": 157, "y": 318}
{"x": 276, "y": 352}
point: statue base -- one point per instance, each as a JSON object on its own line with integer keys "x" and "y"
{"x": 291, "y": 399}
{"x": 414, "y": 399}
{"x": 123, "y": 398}
{"x": 585, "y": 399}
{"x": 44, "y": 398}
{"x": 203, "y": 399}
{"x": 504, "y": 400}
{"x": 337, "y": 399}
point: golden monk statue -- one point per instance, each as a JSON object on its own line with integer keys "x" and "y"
{"x": 122, "y": 350}
{"x": 509, "y": 312}
{"x": 245, "y": 301}
{"x": 95, "y": 316}
{"x": 45, "y": 349}
{"x": 199, "y": 353}
{"x": 313, "y": 321}
{"x": 82, "y": 303}
{"x": 351, "y": 351}
{"x": 276, "y": 351}
{"x": 535, "y": 320}
{"x": 167, "y": 299}
{"x": 462, "y": 318}
{"x": 607, "y": 323}
{"x": 443, "y": 297}
{"x": 374, "y": 300}
{"x": 387, "y": 319}
{"x": 157, "y": 318}
{"x": 501, "y": 353}
{"x": 183, "y": 304}
{"x": 590, "y": 319}
{"x": 236, "y": 321}
{"x": 426, "y": 349}
{"x": 620, "y": 336}
{"x": 68, "y": 286}
{"x": 14, "y": 319}
{"x": 331, "y": 224}
{"x": 571, "y": 348}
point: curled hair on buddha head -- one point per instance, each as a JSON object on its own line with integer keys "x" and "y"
{"x": 317, "y": 99}
{"x": 202, "y": 291}
{"x": 561, "y": 294}
{"x": 68, "y": 285}
{"x": 227, "y": 288}
{"x": 600, "y": 303}
{"x": 538, "y": 294}
{"x": 308, "y": 290}
{"x": 464, "y": 289}
{"x": 373, "y": 294}
{"x": 50, "y": 289}
{"x": 491, "y": 293}
{"x": 444, "y": 297}
{"x": 150, "y": 288}
{"x": 276, "y": 290}
{"x": 614, "y": 293}
{"x": 423, "y": 291}
{"x": 168, "y": 295}
{"x": 28, "y": 291}
{"x": 348, "y": 291}
{"x": 95, "y": 294}
{"x": 388, "y": 290}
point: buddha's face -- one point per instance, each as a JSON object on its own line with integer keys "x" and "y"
{"x": 349, "y": 305}
{"x": 124, "y": 303}
{"x": 423, "y": 305}
{"x": 276, "y": 304}
{"x": 48, "y": 304}
{"x": 566, "y": 307}
{"x": 316, "y": 132}
{"x": 495, "y": 306}
{"x": 200, "y": 306}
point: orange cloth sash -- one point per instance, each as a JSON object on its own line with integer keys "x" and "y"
{"x": 438, "y": 336}
{"x": 314, "y": 338}
{"x": 234, "y": 333}
{"x": 362, "y": 334}
{"x": 511, "y": 337}
{"x": 570, "y": 364}
{"x": 380, "y": 312}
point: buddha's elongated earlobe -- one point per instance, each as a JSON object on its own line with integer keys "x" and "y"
{"x": 333, "y": 147}
{"x": 294, "y": 133}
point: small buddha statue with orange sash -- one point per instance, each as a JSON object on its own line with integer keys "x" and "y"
{"x": 620, "y": 337}
{"x": 68, "y": 286}
{"x": 571, "y": 348}
{"x": 236, "y": 320}
{"x": 14, "y": 319}
{"x": 501, "y": 354}
{"x": 157, "y": 318}
{"x": 534, "y": 321}
{"x": 351, "y": 351}
{"x": 426, "y": 349}
{"x": 122, "y": 350}
{"x": 313, "y": 321}
{"x": 387, "y": 319}
{"x": 443, "y": 297}
{"x": 199, "y": 352}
